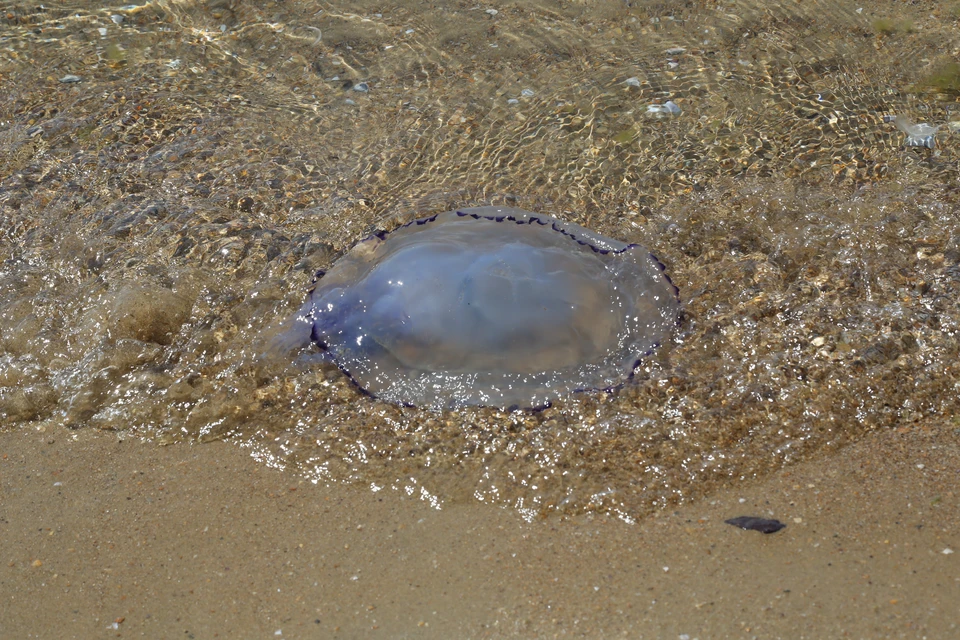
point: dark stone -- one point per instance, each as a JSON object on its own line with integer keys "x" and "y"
{"x": 751, "y": 523}
{"x": 245, "y": 204}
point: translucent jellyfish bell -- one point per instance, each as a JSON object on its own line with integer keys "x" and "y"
{"x": 918, "y": 135}
{"x": 488, "y": 306}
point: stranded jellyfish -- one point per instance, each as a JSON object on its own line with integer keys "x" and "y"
{"x": 487, "y": 306}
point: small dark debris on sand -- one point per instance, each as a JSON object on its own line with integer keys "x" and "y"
{"x": 751, "y": 523}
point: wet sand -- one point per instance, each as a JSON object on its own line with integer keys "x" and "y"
{"x": 112, "y": 537}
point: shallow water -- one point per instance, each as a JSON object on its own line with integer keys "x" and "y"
{"x": 165, "y": 213}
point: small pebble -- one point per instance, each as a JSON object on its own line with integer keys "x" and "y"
{"x": 408, "y": 31}
{"x": 675, "y": 51}
{"x": 361, "y": 87}
{"x": 632, "y": 82}
{"x": 947, "y": 551}
{"x": 527, "y": 93}
{"x": 512, "y": 101}
{"x": 70, "y": 78}
{"x": 492, "y": 12}
{"x": 349, "y": 101}
{"x": 223, "y": 28}
{"x": 103, "y": 32}
{"x": 751, "y": 523}
{"x": 117, "y": 19}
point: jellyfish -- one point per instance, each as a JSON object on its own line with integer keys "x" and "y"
{"x": 488, "y": 306}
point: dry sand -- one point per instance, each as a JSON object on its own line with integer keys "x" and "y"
{"x": 106, "y": 537}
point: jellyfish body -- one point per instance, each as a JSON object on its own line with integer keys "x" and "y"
{"x": 488, "y": 306}
{"x": 918, "y": 134}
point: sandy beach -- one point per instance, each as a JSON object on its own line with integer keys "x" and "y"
{"x": 112, "y": 537}
{"x": 175, "y": 176}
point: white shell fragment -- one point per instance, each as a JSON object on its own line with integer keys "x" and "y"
{"x": 668, "y": 108}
